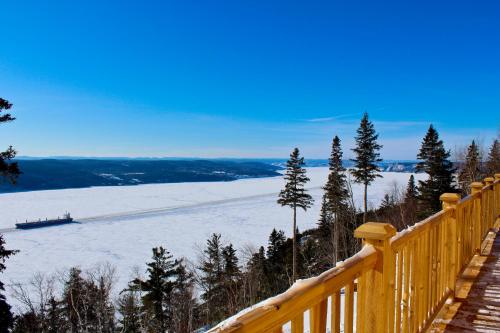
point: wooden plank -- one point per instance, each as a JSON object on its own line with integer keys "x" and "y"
{"x": 317, "y": 317}
{"x": 349, "y": 307}
{"x": 414, "y": 284}
{"x": 298, "y": 324}
{"x": 399, "y": 292}
{"x": 361, "y": 303}
{"x": 335, "y": 312}
{"x": 407, "y": 290}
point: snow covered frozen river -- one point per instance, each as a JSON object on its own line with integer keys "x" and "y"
{"x": 120, "y": 225}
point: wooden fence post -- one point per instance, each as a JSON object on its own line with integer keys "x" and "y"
{"x": 476, "y": 187}
{"x": 450, "y": 200}
{"x": 497, "y": 195}
{"x": 379, "y": 282}
{"x": 488, "y": 181}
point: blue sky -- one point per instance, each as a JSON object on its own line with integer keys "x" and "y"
{"x": 246, "y": 78}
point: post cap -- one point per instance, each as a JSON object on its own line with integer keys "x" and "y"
{"x": 489, "y": 180}
{"x": 476, "y": 187}
{"x": 450, "y": 197}
{"x": 497, "y": 176}
{"x": 375, "y": 231}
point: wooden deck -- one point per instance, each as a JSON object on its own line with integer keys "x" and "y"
{"x": 476, "y": 307}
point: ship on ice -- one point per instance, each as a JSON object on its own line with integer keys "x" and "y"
{"x": 45, "y": 223}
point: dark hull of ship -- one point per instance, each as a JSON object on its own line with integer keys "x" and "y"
{"x": 41, "y": 224}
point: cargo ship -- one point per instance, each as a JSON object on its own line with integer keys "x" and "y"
{"x": 45, "y": 223}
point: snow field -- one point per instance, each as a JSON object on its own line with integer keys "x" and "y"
{"x": 120, "y": 225}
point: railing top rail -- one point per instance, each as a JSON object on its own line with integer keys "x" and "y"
{"x": 279, "y": 309}
{"x": 412, "y": 232}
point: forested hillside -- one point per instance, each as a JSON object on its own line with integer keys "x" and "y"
{"x": 49, "y": 174}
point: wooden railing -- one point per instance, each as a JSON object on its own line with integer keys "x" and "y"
{"x": 396, "y": 283}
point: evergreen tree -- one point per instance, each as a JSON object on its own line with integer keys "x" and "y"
{"x": 76, "y": 302}
{"x": 257, "y": 283}
{"x": 471, "y": 169}
{"x": 387, "y": 202}
{"x": 28, "y": 322}
{"x": 6, "y": 317}
{"x": 184, "y": 302}
{"x": 100, "y": 300}
{"x": 8, "y": 170}
{"x": 337, "y": 196}
{"x": 158, "y": 288}
{"x": 55, "y": 318}
{"x": 295, "y": 196}
{"x": 276, "y": 262}
{"x": 434, "y": 162}
{"x": 313, "y": 262}
{"x": 324, "y": 230}
{"x": 212, "y": 281}
{"x": 493, "y": 161}
{"x": 411, "y": 190}
{"x": 231, "y": 278}
{"x": 129, "y": 308}
{"x": 367, "y": 155}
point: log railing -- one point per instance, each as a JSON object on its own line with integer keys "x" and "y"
{"x": 398, "y": 281}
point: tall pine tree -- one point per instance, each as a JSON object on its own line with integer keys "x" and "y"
{"x": 232, "y": 278}
{"x": 276, "y": 262}
{"x": 367, "y": 155}
{"x": 411, "y": 189}
{"x": 158, "y": 288}
{"x": 337, "y": 197}
{"x": 212, "y": 281}
{"x": 8, "y": 171}
{"x": 184, "y": 302}
{"x": 471, "y": 168}
{"x": 257, "y": 284}
{"x": 295, "y": 196}
{"x": 129, "y": 308}
{"x": 434, "y": 160}
{"x": 493, "y": 161}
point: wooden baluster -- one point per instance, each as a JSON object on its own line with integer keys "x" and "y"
{"x": 335, "y": 312}
{"x": 406, "y": 295}
{"x": 317, "y": 317}
{"x": 348, "y": 307}
{"x": 427, "y": 274}
{"x": 399, "y": 292}
{"x": 434, "y": 254}
{"x": 442, "y": 257}
{"x": 360, "y": 304}
{"x": 415, "y": 272}
{"x": 422, "y": 276}
{"x": 298, "y": 324}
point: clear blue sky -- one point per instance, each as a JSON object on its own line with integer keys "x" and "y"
{"x": 246, "y": 78}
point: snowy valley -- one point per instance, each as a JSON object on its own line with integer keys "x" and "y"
{"x": 120, "y": 224}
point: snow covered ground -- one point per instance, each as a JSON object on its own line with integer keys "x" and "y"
{"x": 120, "y": 225}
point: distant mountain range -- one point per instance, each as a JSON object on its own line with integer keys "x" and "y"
{"x": 65, "y": 172}
{"x": 387, "y": 165}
